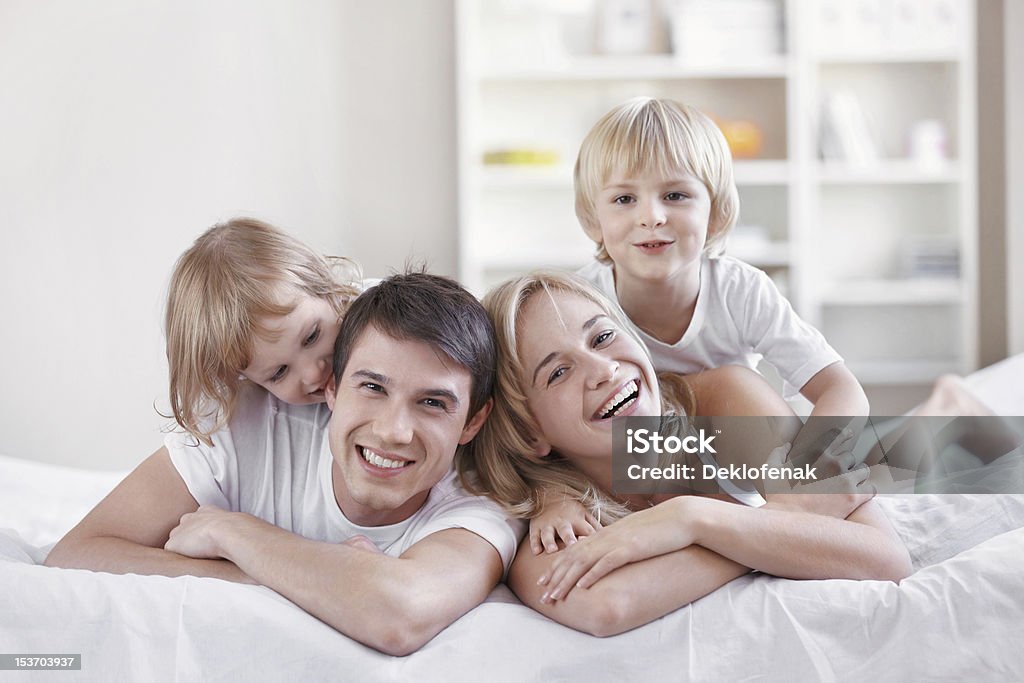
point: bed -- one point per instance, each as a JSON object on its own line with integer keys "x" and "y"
{"x": 958, "y": 616}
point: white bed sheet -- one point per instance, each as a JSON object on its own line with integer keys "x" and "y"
{"x": 958, "y": 616}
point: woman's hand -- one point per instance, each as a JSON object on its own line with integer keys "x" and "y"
{"x": 639, "y": 536}
{"x": 566, "y": 519}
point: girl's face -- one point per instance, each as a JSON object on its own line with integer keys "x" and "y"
{"x": 295, "y": 360}
{"x": 581, "y": 370}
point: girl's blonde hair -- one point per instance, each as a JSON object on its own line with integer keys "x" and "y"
{"x": 500, "y": 461}
{"x": 221, "y": 287}
{"x": 645, "y": 135}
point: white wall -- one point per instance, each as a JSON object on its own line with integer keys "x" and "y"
{"x": 1014, "y": 67}
{"x": 128, "y": 127}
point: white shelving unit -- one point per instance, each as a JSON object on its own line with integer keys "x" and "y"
{"x": 838, "y": 237}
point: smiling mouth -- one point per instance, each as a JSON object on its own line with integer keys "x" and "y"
{"x": 654, "y": 244}
{"x": 378, "y": 460}
{"x": 622, "y": 400}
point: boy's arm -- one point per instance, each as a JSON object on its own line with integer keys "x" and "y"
{"x": 126, "y": 531}
{"x": 394, "y": 605}
{"x": 835, "y": 391}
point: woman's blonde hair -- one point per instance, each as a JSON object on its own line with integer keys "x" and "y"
{"x": 645, "y": 135}
{"x": 221, "y": 287}
{"x": 500, "y": 461}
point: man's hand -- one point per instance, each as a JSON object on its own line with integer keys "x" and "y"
{"x": 199, "y": 534}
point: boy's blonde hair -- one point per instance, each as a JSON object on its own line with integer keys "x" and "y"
{"x": 499, "y": 461}
{"x": 221, "y": 287}
{"x": 646, "y": 135}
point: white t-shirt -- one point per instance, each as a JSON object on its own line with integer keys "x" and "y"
{"x": 273, "y": 461}
{"x": 740, "y": 318}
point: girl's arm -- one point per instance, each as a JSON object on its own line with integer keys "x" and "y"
{"x": 126, "y": 531}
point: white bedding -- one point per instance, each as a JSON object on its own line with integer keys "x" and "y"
{"x": 958, "y": 616}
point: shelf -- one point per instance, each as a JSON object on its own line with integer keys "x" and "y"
{"x": 763, "y": 255}
{"x": 636, "y": 68}
{"x": 832, "y": 234}
{"x": 909, "y": 292}
{"x": 942, "y": 56}
{"x": 761, "y": 171}
{"x": 888, "y": 172}
{"x": 555, "y": 177}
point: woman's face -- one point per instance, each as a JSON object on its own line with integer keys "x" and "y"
{"x": 581, "y": 370}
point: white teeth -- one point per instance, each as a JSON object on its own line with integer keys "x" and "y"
{"x": 627, "y": 390}
{"x": 379, "y": 461}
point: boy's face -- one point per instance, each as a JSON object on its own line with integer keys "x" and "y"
{"x": 652, "y": 226}
{"x": 400, "y": 411}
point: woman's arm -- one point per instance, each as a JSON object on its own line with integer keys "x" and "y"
{"x": 126, "y": 531}
{"x": 628, "y": 597}
{"x": 787, "y": 542}
{"x": 779, "y": 539}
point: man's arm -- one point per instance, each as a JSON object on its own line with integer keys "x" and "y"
{"x": 394, "y": 605}
{"x": 126, "y": 531}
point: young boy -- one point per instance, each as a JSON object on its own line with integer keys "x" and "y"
{"x": 655, "y": 191}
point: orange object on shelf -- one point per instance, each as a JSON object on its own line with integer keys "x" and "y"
{"x": 744, "y": 137}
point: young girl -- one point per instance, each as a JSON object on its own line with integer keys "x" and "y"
{"x": 249, "y": 303}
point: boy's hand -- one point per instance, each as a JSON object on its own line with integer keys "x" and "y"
{"x": 843, "y": 483}
{"x": 566, "y": 519}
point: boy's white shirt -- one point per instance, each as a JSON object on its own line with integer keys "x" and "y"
{"x": 274, "y": 462}
{"x": 740, "y": 317}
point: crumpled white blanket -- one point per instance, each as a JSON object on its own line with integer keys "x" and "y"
{"x": 958, "y": 616}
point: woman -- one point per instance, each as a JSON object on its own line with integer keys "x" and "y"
{"x": 568, "y": 364}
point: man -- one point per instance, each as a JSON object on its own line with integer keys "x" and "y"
{"x": 355, "y": 515}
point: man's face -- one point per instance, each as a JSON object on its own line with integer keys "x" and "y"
{"x": 400, "y": 410}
